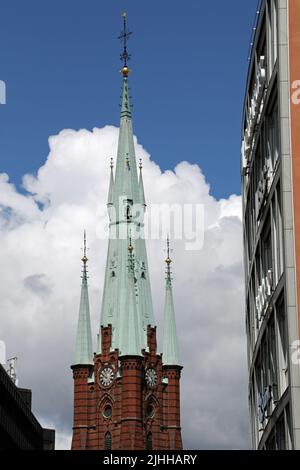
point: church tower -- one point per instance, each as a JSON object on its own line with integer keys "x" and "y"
{"x": 127, "y": 394}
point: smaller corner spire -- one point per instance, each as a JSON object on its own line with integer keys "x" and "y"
{"x": 170, "y": 340}
{"x": 84, "y": 348}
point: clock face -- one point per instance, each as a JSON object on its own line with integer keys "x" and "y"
{"x": 106, "y": 376}
{"x": 151, "y": 378}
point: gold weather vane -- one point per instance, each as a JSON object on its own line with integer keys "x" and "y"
{"x": 125, "y": 56}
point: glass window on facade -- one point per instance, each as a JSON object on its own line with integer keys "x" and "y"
{"x": 266, "y": 374}
{"x": 271, "y": 442}
{"x": 258, "y": 375}
{"x": 272, "y": 34}
{"x": 272, "y": 131}
{"x": 254, "y": 412}
{"x": 280, "y": 434}
{"x": 279, "y": 232}
{"x": 267, "y": 258}
{"x": 248, "y": 236}
{"x": 258, "y": 170}
{"x": 288, "y": 427}
{"x": 149, "y": 444}
{"x": 273, "y": 359}
{"x": 108, "y": 441}
{"x": 258, "y": 267}
{"x": 282, "y": 344}
{"x": 275, "y": 241}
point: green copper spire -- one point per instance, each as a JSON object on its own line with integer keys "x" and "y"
{"x": 170, "y": 344}
{"x": 126, "y": 209}
{"x": 84, "y": 348}
{"x": 125, "y": 105}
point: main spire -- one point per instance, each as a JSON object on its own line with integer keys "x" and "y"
{"x": 84, "y": 348}
{"x": 170, "y": 344}
{"x": 126, "y": 207}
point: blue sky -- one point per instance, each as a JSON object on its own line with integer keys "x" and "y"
{"x": 60, "y": 62}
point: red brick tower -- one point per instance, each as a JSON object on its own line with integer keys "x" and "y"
{"x": 126, "y": 396}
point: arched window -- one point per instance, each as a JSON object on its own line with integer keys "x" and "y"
{"x": 107, "y": 412}
{"x": 149, "y": 441}
{"x": 108, "y": 441}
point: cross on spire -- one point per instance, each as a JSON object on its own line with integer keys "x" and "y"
{"x": 124, "y": 37}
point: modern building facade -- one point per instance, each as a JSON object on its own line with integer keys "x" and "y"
{"x": 19, "y": 429}
{"x": 271, "y": 215}
{"x": 126, "y": 395}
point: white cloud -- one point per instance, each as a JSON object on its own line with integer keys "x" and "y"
{"x": 41, "y": 235}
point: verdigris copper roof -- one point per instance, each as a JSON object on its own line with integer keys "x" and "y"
{"x": 84, "y": 345}
{"x": 126, "y": 206}
{"x": 170, "y": 341}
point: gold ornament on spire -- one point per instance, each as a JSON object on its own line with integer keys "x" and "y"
{"x": 130, "y": 247}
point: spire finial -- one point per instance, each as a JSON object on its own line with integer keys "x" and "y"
{"x": 168, "y": 260}
{"x": 124, "y": 37}
{"x": 140, "y": 164}
{"x": 111, "y": 163}
{"x": 84, "y": 259}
